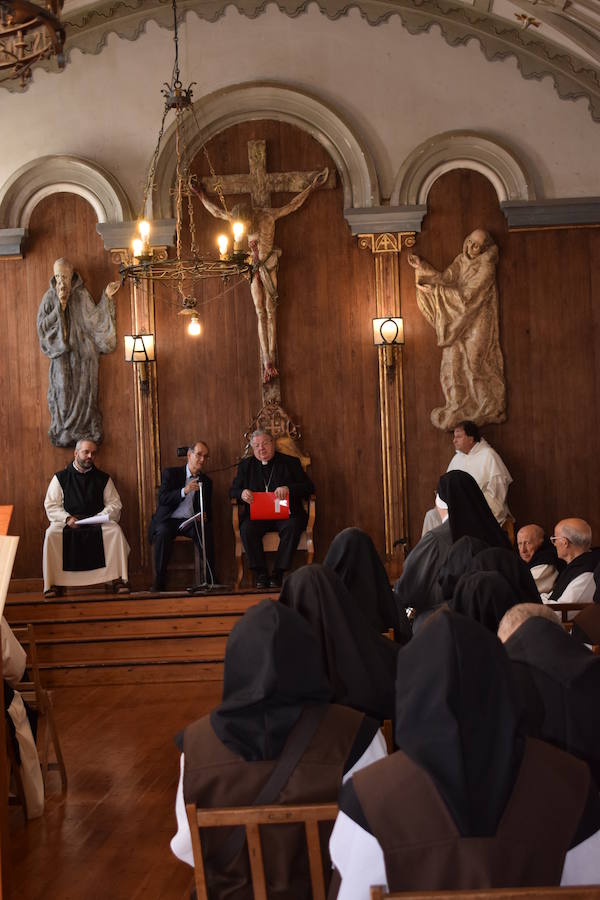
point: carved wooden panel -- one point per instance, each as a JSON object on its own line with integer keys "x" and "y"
{"x": 61, "y": 225}
{"x": 210, "y": 387}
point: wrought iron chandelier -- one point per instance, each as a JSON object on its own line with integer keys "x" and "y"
{"x": 181, "y": 272}
{"x": 29, "y": 32}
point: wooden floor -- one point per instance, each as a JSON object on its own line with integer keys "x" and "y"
{"x": 108, "y": 838}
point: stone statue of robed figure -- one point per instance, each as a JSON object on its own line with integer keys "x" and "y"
{"x": 461, "y": 304}
{"x": 73, "y": 331}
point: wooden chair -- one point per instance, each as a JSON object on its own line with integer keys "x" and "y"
{"x": 287, "y": 440}
{"x": 41, "y": 700}
{"x": 251, "y": 817}
{"x": 538, "y": 893}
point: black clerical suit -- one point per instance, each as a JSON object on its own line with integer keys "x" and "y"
{"x": 281, "y": 470}
{"x": 164, "y": 529}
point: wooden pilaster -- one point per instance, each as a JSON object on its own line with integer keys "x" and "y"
{"x": 145, "y": 397}
{"x": 386, "y": 249}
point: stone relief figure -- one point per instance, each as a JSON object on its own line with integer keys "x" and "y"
{"x": 259, "y": 223}
{"x": 73, "y": 331}
{"x": 461, "y": 304}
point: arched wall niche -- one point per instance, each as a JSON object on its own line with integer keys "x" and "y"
{"x": 48, "y": 175}
{"x": 461, "y": 150}
{"x": 248, "y": 102}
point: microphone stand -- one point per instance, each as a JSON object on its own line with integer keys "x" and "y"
{"x": 204, "y": 586}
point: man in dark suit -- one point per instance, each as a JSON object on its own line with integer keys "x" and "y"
{"x": 178, "y": 499}
{"x": 268, "y": 470}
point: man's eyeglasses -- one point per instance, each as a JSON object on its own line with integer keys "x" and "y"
{"x": 559, "y": 537}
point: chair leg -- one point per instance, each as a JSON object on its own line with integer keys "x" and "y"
{"x": 240, "y": 572}
{"x": 53, "y": 733}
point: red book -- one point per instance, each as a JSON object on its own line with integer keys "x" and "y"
{"x": 266, "y": 506}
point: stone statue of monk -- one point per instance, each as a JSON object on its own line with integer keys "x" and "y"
{"x": 461, "y": 304}
{"x": 259, "y": 223}
{"x": 73, "y": 331}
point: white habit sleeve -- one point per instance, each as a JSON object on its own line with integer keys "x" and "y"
{"x": 112, "y": 502}
{"x": 54, "y": 503}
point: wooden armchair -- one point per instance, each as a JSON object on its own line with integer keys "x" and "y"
{"x": 251, "y": 818}
{"x": 41, "y": 700}
{"x": 287, "y": 440}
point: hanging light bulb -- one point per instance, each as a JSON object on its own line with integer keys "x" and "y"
{"x": 137, "y": 247}
{"x": 194, "y": 328}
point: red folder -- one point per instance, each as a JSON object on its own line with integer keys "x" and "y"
{"x": 266, "y": 506}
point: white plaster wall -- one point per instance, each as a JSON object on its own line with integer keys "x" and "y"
{"x": 394, "y": 88}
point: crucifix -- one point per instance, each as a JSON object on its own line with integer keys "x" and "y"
{"x": 259, "y": 222}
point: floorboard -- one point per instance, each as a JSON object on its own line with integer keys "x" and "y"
{"x": 108, "y": 838}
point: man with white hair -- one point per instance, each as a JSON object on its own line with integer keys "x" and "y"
{"x": 76, "y": 554}
{"x": 538, "y": 553}
{"x": 572, "y": 539}
{"x": 268, "y": 471}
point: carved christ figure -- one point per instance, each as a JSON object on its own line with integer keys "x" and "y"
{"x": 461, "y": 304}
{"x": 260, "y": 227}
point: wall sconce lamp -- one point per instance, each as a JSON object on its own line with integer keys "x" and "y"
{"x": 388, "y": 333}
{"x": 140, "y": 350}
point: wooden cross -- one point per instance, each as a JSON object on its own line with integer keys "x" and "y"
{"x": 259, "y": 183}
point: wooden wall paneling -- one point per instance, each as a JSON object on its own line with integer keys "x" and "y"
{"x": 549, "y": 284}
{"x": 328, "y": 363}
{"x": 61, "y": 225}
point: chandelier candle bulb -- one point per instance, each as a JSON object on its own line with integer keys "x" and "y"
{"x": 144, "y": 230}
{"x": 137, "y": 247}
{"x": 238, "y": 232}
{"x": 223, "y": 245}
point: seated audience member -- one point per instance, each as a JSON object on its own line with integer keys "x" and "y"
{"x": 467, "y": 514}
{"x": 353, "y": 557}
{"x": 483, "y": 596}
{"x": 575, "y": 584}
{"x": 275, "y": 709}
{"x": 359, "y": 662}
{"x": 559, "y": 680}
{"x": 458, "y": 562}
{"x": 269, "y": 470}
{"x": 467, "y": 801}
{"x": 20, "y": 729}
{"x": 475, "y": 456}
{"x": 178, "y": 500}
{"x": 513, "y": 569}
{"x": 79, "y": 555}
{"x": 537, "y": 552}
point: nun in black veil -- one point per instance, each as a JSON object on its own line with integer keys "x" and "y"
{"x": 512, "y": 568}
{"x": 485, "y": 597}
{"x": 560, "y": 682}
{"x": 458, "y": 562}
{"x": 274, "y": 738}
{"x": 353, "y": 557}
{"x": 359, "y": 662}
{"x": 467, "y": 801}
{"x": 468, "y": 515}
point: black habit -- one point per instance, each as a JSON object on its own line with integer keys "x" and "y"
{"x": 282, "y": 470}
{"x": 83, "y": 496}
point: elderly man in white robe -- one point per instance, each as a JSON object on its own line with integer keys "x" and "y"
{"x": 79, "y": 491}
{"x": 475, "y": 456}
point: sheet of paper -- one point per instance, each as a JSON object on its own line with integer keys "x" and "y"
{"x": 94, "y": 520}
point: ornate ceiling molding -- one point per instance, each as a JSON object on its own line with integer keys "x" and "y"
{"x": 536, "y": 57}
